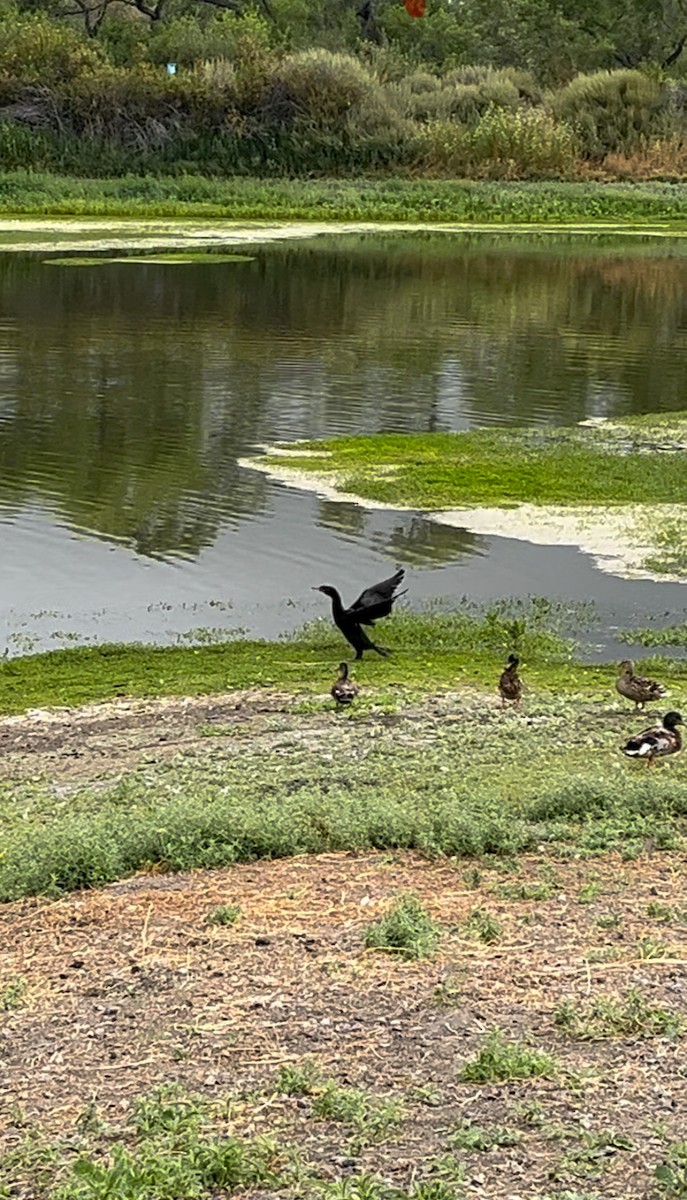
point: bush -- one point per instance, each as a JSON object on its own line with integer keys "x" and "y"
{"x": 526, "y": 143}
{"x": 34, "y": 50}
{"x": 613, "y": 111}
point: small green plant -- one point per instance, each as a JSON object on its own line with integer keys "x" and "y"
{"x": 448, "y": 993}
{"x": 660, "y": 912}
{"x": 537, "y": 890}
{"x": 472, "y": 1137}
{"x": 591, "y": 1158}
{"x": 223, "y": 914}
{"x": 671, "y": 1174}
{"x": 300, "y": 1079}
{"x": 589, "y": 891}
{"x": 427, "y": 1094}
{"x": 651, "y": 948}
{"x": 630, "y": 1015}
{"x": 499, "y": 1060}
{"x": 12, "y": 993}
{"x": 483, "y": 925}
{"x": 406, "y": 930}
{"x": 608, "y": 921}
{"x": 472, "y": 878}
{"x": 367, "y": 1116}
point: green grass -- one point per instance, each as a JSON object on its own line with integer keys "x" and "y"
{"x": 383, "y": 199}
{"x": 571, "y": 466}
{"x": 478, "y": 785}
{"x": 407, "y": 930}
{"x": 479, "y": 782}
{"x": 500, "y": 1060}
{"x": 433, "y": 648}
{"x": 630, "y": 1015}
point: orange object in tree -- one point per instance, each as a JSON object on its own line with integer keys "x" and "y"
{"x": 415, "y": 8}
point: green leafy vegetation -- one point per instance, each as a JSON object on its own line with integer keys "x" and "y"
{"x": 472, "y": 1137}
{"x": 171, "y": 1149}
{"x": 671, "y": 1174}
{"x": 481, "y": 785}
{"x": 630, "y": 1015}
{"x": 368, "y": 1117}
{"x": 573, "y": 466}
{"x": 12, "y": 993}
{"x": 287, "y": 89}
{"x": 500, "y": 1060}
{"x": 299, "y": 1079}
{"x": 46, "y": 194}
{"x": 406, "y": 930}
{"x": 483, "y": 925}
{"x": 223, "y": 914}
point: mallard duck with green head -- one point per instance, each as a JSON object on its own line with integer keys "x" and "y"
{"x": 655, "y": 743}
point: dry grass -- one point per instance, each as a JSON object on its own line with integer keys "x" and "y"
{"x": 130, "y": 988}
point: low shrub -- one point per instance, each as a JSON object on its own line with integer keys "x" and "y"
{"x": 613, "y": 111}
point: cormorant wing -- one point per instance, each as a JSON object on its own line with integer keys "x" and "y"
{"x": 376, "y": 601}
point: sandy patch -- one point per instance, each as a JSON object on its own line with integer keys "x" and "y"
{"x": 616, "y": 538}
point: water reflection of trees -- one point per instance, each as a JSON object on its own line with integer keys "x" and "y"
{"x": 127, "y": 392}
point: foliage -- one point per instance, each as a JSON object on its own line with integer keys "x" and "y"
{"x": 193, "y": 195}
{"x": 483, "y": 925}
{"x": 500, "y": 1060}
{"x": 630, "y": 1015}
{"x": 289, "y": 91}
{"x": 472, "y": 1137}
{"x": 223, "y": 914}
{"x": 671, "y": 1173}
{"x": 613, "y": 110}
{"x": 369, "y": 1117}
{"x": 407, "y": 929}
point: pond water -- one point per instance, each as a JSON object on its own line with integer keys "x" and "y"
{"x": 129, "y": 391}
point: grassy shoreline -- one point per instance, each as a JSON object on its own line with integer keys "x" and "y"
{"x": 664, "y": 205}
{"x": 426, "y": 760}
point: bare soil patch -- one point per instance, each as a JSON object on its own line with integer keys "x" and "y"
{"x": 129, "y": 987}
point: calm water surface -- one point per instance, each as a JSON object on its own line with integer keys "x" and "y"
{"x": 129, "y": 391}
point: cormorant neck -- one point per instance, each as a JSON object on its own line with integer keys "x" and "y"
{"x": 337, "y": 604}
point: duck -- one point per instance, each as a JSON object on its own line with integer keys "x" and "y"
{"x": 344, "y": 690}
{"x": 510, "y": 683}
{"x": 658, "y": 742}
{"x": 372, "y": 604}
{"x": 636, "y": 687}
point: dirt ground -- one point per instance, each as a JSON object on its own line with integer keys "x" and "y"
{"x": 130, "y": 988}
{"x": 103, "y": 740}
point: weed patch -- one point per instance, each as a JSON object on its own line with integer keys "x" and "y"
{"x": 406, "y": 930}
{"x": 500, "y": 1060}
{"x": 630, "y": 1015}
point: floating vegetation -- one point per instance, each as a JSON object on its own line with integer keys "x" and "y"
{"x": 177, "y": 259}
